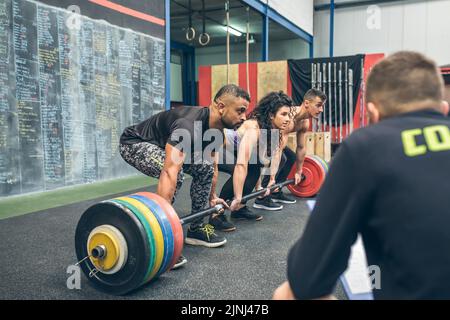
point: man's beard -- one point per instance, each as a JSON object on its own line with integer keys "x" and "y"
{"x": 238, "y": 125}
{"x": 229, "y": 125}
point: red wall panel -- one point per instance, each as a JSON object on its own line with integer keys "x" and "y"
{"x": 204, "y": 86}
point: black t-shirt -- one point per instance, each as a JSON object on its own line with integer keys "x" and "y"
{"x": 390, "y": 183}
{"x": 159, "y": 129}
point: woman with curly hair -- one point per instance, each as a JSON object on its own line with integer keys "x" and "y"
{"x": 255, "y": 144}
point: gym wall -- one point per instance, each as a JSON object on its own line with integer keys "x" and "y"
{"x": 217, "y": 54}
{"x": 278, "y": 50}
{"x": 176, "y": 88}
{"x": 288, "y": 49}
{"x": 69, "y": 85}
{"x": 404, "y": 25}
{"x": 446, "y": 75}
{"x": 265, "y": 77}
{"x": 300, "y": 12}
{"x": 447, "y": 93}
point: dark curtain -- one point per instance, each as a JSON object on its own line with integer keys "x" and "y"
{"x": 301, "y": 71}
{"x": 446, "y": 78}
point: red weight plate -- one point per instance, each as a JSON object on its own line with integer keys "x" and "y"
{"x": 314, "y": 176}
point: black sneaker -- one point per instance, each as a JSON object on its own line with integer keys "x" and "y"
{"x": 204, "y": 235}
{"x": 181, "y": 261}
{"x": 220, "y": 222}
{"x": 245, "y": 213}
{"x": 267, "y": 204}
{"x": 280, "y": 197}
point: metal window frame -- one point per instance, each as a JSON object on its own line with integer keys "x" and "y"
{"x": 188, "y": 63}
{"x": 269, "y": 13}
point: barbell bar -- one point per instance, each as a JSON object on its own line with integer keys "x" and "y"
{"x": 218, "y": 208}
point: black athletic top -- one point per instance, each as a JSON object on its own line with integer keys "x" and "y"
{"x": 390, "y": 182}
{"x": 159, "y": 128}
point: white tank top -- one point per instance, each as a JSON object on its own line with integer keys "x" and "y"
{"x": 233, "y": 140}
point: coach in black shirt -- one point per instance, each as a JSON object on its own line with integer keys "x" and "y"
{"x": 390, "y": 183}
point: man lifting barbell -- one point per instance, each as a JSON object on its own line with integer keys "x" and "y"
{"x": 152, "y": 147}
{"x": 388, "y": 182}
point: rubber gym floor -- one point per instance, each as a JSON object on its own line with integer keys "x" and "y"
{"x": 37, "y": 248}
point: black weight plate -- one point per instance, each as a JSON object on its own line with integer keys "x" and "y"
{"x": 133, "y": 272}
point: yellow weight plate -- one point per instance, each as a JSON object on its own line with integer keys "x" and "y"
{"x": 156, "y": 230}
{"x": 109, "y": 241}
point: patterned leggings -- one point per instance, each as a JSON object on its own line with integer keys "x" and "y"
{"x": 149, "y": 159}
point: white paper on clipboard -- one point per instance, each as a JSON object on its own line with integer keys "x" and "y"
{"x": 355, "y": 280}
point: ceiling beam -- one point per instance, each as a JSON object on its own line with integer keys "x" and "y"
{"x": 351, "y": 4}
{"x": 212, "y": 9}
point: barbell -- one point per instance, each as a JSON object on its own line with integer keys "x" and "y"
{"x": 126, "y": 242}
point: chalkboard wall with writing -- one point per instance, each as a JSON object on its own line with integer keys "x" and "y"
{"x": 69, "y": 85}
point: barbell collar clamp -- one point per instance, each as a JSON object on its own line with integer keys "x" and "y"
{"x": 99, "y": 252}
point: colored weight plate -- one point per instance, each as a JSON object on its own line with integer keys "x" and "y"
{"x": 156, "y": 231}
{"x": 317, "y": 160}
{"x": 314, "y": 175}
{"x": 134, "y": 270}
{"x": 148, "y": 230}
{"x": 175, "y": 223}
{"x": 326, "y": 164}
{"x": 177, "y": 229}
{"x": 322, "y": 162}
{"x": 165, "y": 227}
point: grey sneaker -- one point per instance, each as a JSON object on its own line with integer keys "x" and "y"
{"x": 220, "y": 222}
{"x": 280, "y": 197}
{"x": 245, "y": 213}
{"x": 267, "y": 204}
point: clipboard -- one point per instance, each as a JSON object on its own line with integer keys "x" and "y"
{"x": 355, "y": 279}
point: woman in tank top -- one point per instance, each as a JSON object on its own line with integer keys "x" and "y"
{"x": 256, "y": 142}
